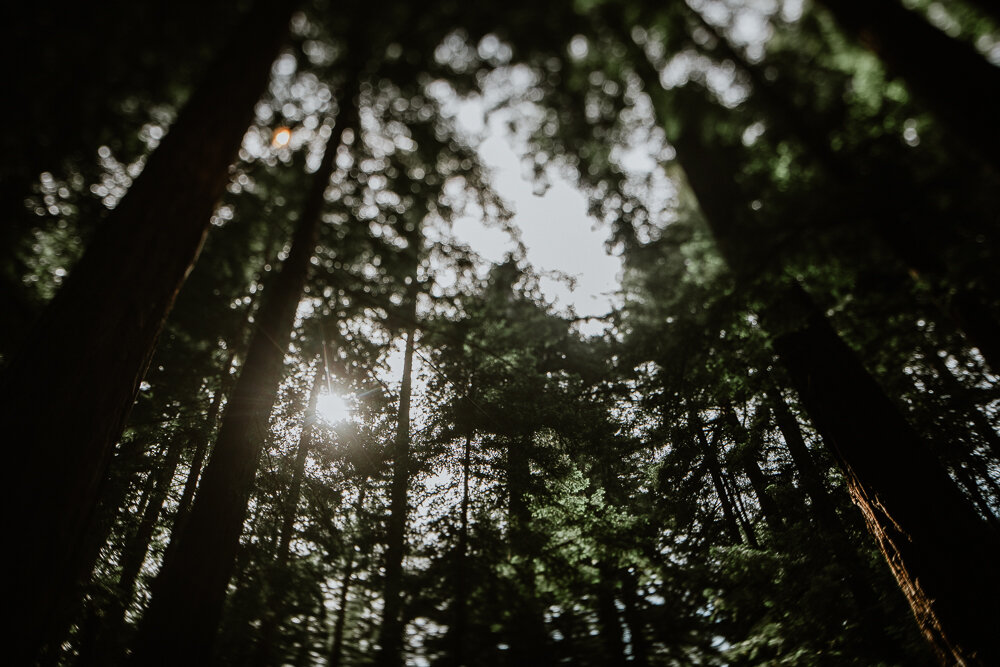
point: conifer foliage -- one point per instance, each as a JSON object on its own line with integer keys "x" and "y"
{"x": 265, "y": 405}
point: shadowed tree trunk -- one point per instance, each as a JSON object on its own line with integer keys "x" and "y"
{"x": 715, "y": 471}
{"x": 941, "y": 553}
{"x": 66, "y": 394}
{"x": 106, "y": 648}
{"x": 610, "y": 624}
{"x": 460, "y": 623}
{"x": 188, "y": 595}
{"x": 948, "y": 75}
{"x": 905, "y": 221}
{"x": 748, "y": 461}
{"x": 527, "y": 635}
{"x": 337, "y": 640}
{"x": 633, "y": 617}
{"x": 391, "y": 634}
{"x": 197, "y": 460}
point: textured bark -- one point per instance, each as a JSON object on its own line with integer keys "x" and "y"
{"x": 188, "y": 595}
{"x": 66, "y": 395}
{"x": 942, "y": 555}
{"x": 871, "y": 610}
{"x": 940, "y": 552}
{"x": 274, "y": 608}
{"x": 391, "y": 634}
{"x": 906, "y": 222}
{"x": 948, "y": 75}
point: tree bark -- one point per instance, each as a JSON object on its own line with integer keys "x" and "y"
{"x": 901, "y": 218}
{"x": 941, "y": 553}
{"x": 391, "y": 634}
{"x": 66, "y": 395}
{"x": 188, "y": 595}
{"x": 949, "y": 76}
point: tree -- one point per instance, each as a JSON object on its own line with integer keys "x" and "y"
{"x": 190, "y": 589}
{"x": 113, "y": 307}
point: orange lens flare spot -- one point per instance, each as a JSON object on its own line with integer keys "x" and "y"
{"x": 281, "y": 137}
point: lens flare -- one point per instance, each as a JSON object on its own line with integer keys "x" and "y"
{"x": 281, "y": 137}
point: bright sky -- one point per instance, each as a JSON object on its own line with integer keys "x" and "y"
{"x": 555, "y": 228}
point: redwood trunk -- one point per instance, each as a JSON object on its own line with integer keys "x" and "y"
{"x": 67, "y": 393}
{"x": 391, "y": 635}
{"x": 186, "y": 606}
{"x": 948, "y": 75}
{"x": 942, "y": 554}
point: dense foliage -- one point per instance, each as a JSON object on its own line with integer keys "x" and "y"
{"x": 805, "y": 205}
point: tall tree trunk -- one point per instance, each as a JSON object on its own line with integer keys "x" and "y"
{"x": 748, "y": 461}
{"x": 391, "y": 635}
{"x": 823, "y": 505}
{"x": 608, "y": 621}
{"x": 461, "y": 605}
{"x": 715, "y": 471}
{"x": 729, "y": 480}
{"x": 188, "y": 595}
{"x": 633, "y": 617}
{"x": 66, "y": 408}
{"x": 71, "y": 601}
{"x": 337, "y": 640}
{"x": 211, "y": 420}
{"x": 197, "y": 460}
{"x": 105, "y": 649}
{"x": 901, "y": 218}
{"x": 273, "y": 612}
{"x": 527, "y": 635}
{"x": 940, "y": 551}
{"x": 948, "y": 75}
{"x": 871, "y": 610}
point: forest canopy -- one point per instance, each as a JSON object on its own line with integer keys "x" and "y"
{"x": 264, "y": 405}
